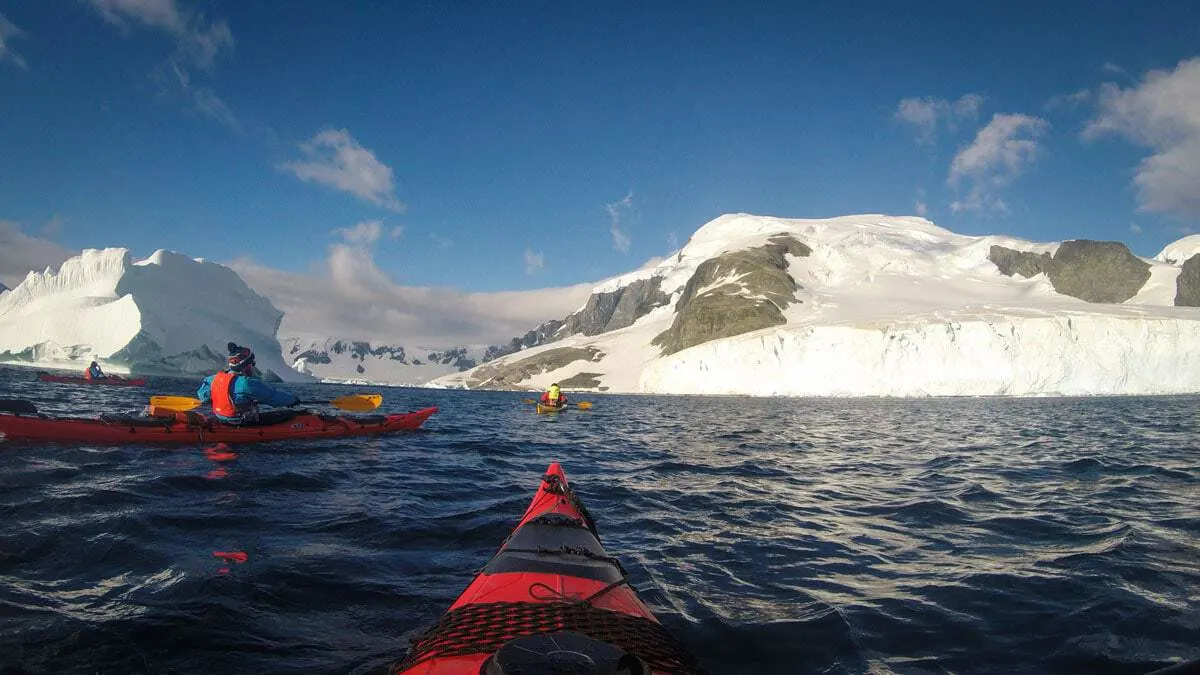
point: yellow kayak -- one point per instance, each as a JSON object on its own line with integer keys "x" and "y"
{"x": 550, "y": 408}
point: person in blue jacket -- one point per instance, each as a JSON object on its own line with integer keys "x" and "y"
{"x": 94, "y": 372}
{"x": 236, "y": 393}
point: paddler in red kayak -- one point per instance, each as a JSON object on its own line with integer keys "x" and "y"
{"x": 236, "y": 393}
{"x": 554, "y": 397}
{"x": 94, "y": 373}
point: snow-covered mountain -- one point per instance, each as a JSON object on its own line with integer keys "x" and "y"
{"x": 165, "y": 314}
{"x": 339, "y": 360}
{"x": 874, "y": 305}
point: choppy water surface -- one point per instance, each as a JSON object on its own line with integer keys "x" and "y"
{"x": 772, "y": 536}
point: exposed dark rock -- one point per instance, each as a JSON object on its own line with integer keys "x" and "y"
{"x": 1187, "y": 285}
{"x": 1097, "y": 271}
{"x": 541, "y": 335}
{"x": 509, "y": 374}
{"x": 581, "y": 381}
{"x": 603, "y": 312}
{"x": 617, "y": 309}
{"x": 738, "y": 292}
{"x": 313, "y": 356}
{"x": 1025, "y": 263}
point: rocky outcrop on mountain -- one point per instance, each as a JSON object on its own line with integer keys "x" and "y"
{"x": 543, "y": 334}
{"x": 1025, "y": 263}
{"x": 1097, "y": 271}
{"x": 1187, "y": 285}
{"x": 506, "y": 375}
{"x": 456, "y": 357}
{"x": 735, "y": 293}
{"x": 617, "y": 309}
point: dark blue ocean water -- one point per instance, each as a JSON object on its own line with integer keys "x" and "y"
{"x": 772, "y": 536}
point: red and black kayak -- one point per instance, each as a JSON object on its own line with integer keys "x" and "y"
{"x": 111, "y": 380}
{"x": 196, "y": 428}
{"x": 551, "y": 600}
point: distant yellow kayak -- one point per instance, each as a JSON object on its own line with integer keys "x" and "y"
{"x": 549, "y": 408}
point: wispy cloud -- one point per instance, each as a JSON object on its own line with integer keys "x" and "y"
{"x": 8, "y": 31}
{"x": 925, "y": 114}
{"x": 1135, "y": 228}
{"x": 440, "y": 241}
{"x": 672, "y": 242}
{"x": 396, "y": 232}
{"x": 618, "y": 212}
{"x": 1113, "y": 69}
{"x": 1001, "y": 151}
{"x": 1161, "y": 113}
{"x": 334, "y": 159}
{"x": 349, "y": 296}
{"x": 198, "y": 44}
{"x": 1072, "y": 100}
{"x": 21, "y": 254}
{"x": 366, "y": 232}
{"x": 921, "y": 208}
{"x": 533, "y": 261}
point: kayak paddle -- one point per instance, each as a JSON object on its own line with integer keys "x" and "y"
{"x": 351, "y": 402}
{"x": 16, "y": 405}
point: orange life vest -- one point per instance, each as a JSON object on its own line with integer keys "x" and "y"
{"x": 221, "y": 391}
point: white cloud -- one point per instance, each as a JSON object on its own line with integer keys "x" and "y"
{"x": 533, "y": 261}
{"x": 334, "y": 159}
{"x": 926, "y": 113}
{"x": 1161, "y": 113}
{"x": 1001, "y": 151}
{"x": 351, "y": 297}
{"x": 8, "y": 31}
{"x": 198, "y": 41}
{"x": 1135, "y": 228}
{"x": 672, "y": 242}
{"x": 921, "y": 208}
{"x": 396, "y": 232}
{"x": 617, "y": 212}
{"x": 366, "y": 232}
{"x": 1113, "y": 69}
{"x": 1072, "y": 100}
{"x": 198, "y": 44}
{"x": 21, "y": 254}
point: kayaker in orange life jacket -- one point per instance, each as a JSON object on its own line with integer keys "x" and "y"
{"x": 236, "y": 393}
{"x": 93, "y": 372}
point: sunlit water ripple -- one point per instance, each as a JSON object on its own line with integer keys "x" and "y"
{"x": 772, "y": 536}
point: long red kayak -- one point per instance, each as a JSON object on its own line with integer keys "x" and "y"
{"x": 196, "y": 428}
{"x": 551, "y": 600}
{"x": 111, "y": 380}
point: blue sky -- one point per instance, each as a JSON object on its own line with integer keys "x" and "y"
{"x": 490, "y": 147}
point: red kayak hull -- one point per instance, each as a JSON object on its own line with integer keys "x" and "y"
{"x": 195, "y": 428}
{"x": 109, "y": 380}
{"x": 512, "y": 598}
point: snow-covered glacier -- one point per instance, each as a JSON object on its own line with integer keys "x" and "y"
{"x": 874, "y": 305}
{"x": 166, "y": 314}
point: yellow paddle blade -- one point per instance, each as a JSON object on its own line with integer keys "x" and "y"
{"x": 357, "y": 402}
{"x": 180, "y": 403}
{"x": 528, "y": 401}
{"x": 584, "y": 405}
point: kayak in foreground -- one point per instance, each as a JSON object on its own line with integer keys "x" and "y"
{"x": 196, "y": 428}
{"x": 111, "y": 380}
{"x": 551, "y": 600}
{"x": 541, "y": 409}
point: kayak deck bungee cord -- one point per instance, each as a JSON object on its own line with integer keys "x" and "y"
{"x": 551, "y": 600}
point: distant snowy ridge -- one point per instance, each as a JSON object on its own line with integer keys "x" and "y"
{"x": 874, "y": 305}
{"x": 166, "y": 314}
{"x": 362, "y": 362}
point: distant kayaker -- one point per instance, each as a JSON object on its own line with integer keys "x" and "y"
{"x": 94, "y": 373}
{"x": 236, "y": 393}
{"x": 554, "y": 397}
